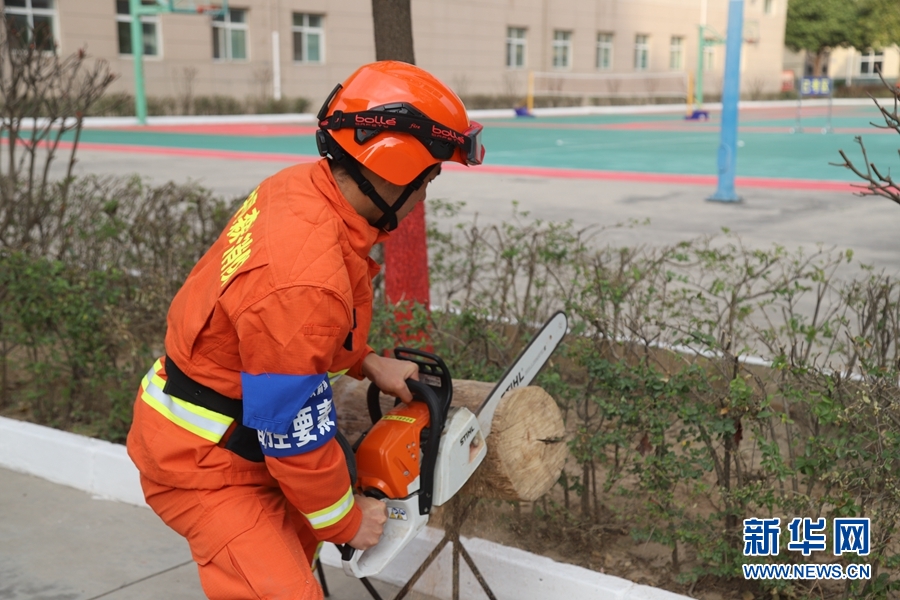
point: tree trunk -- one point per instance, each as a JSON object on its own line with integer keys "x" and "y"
{"x": 406, "y": 252}
{"x": 392, "y": 20}
{"x": 526, "y": 447}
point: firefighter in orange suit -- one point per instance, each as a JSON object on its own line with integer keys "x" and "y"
{"x": 234, "y": 428}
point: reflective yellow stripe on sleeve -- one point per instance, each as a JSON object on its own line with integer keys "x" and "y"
{"x": 334, "y": 513}
{"x": 333, "y": 377}
{"x": 198, "y": 420}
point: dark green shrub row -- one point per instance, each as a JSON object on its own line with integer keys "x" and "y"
{"x": 121, "y": 104}
{"x": 81, "y": 314}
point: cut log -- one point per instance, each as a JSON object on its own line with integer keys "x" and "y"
{"x": 353, "y": 416}
{"x": 526, "y": 448}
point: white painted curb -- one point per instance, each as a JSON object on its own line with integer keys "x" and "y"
{"x": 104, "y": 469}
{"x": 91, "y": 465}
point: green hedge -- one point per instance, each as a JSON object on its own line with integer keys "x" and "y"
{"x": 677, "y": 433}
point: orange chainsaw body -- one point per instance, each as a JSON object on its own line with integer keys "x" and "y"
{"x": 388, "y": 459}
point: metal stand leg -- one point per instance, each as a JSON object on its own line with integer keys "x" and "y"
{"x": 372, "y": 591}
{"x": 321, "y": 571}
{"x": 457, "y": 509}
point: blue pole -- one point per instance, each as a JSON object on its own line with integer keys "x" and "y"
{"x": 731, "y": 93}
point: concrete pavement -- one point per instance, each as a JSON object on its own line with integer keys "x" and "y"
{"x": 59, "y": 543}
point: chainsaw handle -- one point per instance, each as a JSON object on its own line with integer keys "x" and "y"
{"x": 421, "y": 392}
{"x": 432, "y": 370}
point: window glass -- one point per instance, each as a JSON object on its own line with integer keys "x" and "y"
{"x": 298, "y": 46}
{"x": 238, "y": 44}
{"x": 218, "y": 43}
{"x": 18, "y": 30}
{"x": 312, "y": 46}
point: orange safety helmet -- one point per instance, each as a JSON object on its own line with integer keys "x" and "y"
{"x": 398, "y": 120}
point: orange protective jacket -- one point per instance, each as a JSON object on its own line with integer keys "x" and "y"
{"x": 282, "y": 300}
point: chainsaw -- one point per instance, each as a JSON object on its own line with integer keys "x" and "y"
{"x": 420, "y": 454}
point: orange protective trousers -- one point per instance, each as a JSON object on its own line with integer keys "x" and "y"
{"x": 269, "y": 559}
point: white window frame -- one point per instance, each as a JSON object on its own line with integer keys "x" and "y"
{"x": 227, "y": 25}
{"x": 872, "y": 58}
{"x": 516, "y": 47}
{"x": 145, "y": 20}
{"x": 605, "y": 50}
{"x": 305, "y": 30}
{"x": 29, "y": 12}
{"x": 676, "y": 53}
{"x": 641, "y": 52}
{"x": 769, "y": 7}
{"x": 562, "y": 49}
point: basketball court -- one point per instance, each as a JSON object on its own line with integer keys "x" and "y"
{"x": 619, "y": 145}
{"x": 597, "y": 169}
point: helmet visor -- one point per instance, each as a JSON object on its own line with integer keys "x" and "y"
{"x": 473, "y": 146}
{"x": 440, "y": 141}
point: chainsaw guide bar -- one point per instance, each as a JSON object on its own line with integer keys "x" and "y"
{"x": 525, "y": 368}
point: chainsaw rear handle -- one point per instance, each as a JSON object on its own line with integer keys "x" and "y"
{"x": 433, "y": 372}
{"x": 421, "y": 392}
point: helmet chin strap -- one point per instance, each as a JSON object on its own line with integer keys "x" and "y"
{"x": 388, "y": 220}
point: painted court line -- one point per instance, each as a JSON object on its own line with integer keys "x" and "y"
{"x": 670, "y": 178}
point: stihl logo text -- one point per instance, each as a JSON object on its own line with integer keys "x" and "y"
{"x": 374, "y": 121}
{"x": 515, "y": 382}
{"x": 466, "y": 436}
{"x": 447, "y": 134}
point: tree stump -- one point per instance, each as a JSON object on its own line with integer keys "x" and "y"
{"x": 526, "y": 447}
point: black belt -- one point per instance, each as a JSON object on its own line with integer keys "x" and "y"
{"x": 243, "y": 440}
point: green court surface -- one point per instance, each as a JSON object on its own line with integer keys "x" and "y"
{"x": 658, "y": 143}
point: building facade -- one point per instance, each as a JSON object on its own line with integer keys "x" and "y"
{"x": 863, "y": 67}
{"x": 302, "y": 48}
